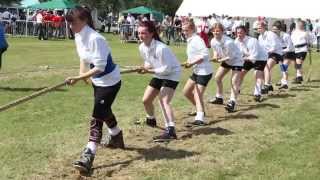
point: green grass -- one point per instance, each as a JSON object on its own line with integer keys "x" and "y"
{"x": 277, "y": 139}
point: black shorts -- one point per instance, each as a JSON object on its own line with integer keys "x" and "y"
{"x": 201, "y": 79}
{"x": 158, "y": 83}
{"x": 301, "y": 55}
{"x": 289, "y": 55}
{"x": 276, "y": 57}
{"x": 257, "y": 65}
{"x": 103, "y": 99}
{"x": 234, "y": 68}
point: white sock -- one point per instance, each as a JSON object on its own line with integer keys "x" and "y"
{"x": 299, "y": 74}
{"x": 114, "y": 131}
{"x": 232, "y": 99}
{"x": 283, "y": 81}
{"x": 170, "y": 123}
{"x": 257, "y": 89}
{"x": 150, "y": 117}
{"x": 92, "y": 146}
{"x": 219, "y": 95}
{"x": 199, "y": 116}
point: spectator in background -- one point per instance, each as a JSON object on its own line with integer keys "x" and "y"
{"x": 292, "y": 26}
{"x": 6, "y": 15}
{"x": 309, "y": 26}
{"x": 316, "y": 31}
{"x": 40, "y": 25}
{"x": 167, "y": 27}
{"x": 203, "y": 30}
{"x": 3, "y": 43}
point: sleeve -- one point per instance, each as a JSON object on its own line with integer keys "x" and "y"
{"x": 201, "y": 49}
{"x": 100, "y": 51}
{"x": 146, "y": 62}
{"x": 165, "y": 56}
{"x": 272, "y": 40}
{"x": 254, "y": 49}
{"x": 232, "y": 50}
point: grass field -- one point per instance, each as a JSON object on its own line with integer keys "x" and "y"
{"x": 276, "y": 139}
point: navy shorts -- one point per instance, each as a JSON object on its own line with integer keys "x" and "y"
{"x": 257, "y": 65}
{"x": 103, "y": 99}
{"x": 276, "y": 57}
{"x": 301, "y": 55}
{"x": 289, "y": 55}
{"x": 234, "y": 68}
{"x": 201, "y": 79}
{"x": 158, "y": 83}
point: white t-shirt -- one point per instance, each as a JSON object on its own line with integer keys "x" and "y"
{"x": 39, "y": 18}
{"x": 227, "y": 48}
{"x": 196, "y": 49}
{"x": 159, "y": 57}
{"x": 94, "y": 51}
{"x": 300, "y": 38}
{"x": 271, "y": 42}
{"x": 251, "y": 49}
{"x": 287, "y": 45}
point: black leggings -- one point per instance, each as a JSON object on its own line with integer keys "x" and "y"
{"x": 2, "y": 50}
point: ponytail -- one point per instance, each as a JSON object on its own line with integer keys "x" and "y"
{"x": 83, "y": 13}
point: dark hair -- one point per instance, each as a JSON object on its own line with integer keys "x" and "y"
{"x": 277, "y": 24}
{"x": 243, "y": 28}
{"x": 151, "y": 29}
{"x": 83, "y": 13}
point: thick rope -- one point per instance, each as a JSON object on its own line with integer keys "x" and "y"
{"x": 32, "y": 96}
{"x": 46, "y": 90}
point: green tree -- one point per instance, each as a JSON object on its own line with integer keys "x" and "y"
{"x": 8, "y": 2}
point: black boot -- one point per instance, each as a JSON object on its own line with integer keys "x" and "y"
{"x": 168, "y": 134}
{"x": 85, "y": 163}
{"x": 216, "y": 100}
{"x": 115, "y": 141}
{"x": 258, "y": 98}
{"x": 230, "y": 107}
{"x": 152, "y": 122}
{"x": 283, "y": 86}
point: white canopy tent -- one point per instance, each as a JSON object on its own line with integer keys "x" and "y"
{"x": 252, "y": 8}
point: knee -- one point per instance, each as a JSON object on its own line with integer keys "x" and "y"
{"x": 218, "y": 79}
{"x": 186, "y": 92}
{"x": 145, "y": 101}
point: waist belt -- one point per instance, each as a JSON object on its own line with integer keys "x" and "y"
{"x": 300, "y": 45}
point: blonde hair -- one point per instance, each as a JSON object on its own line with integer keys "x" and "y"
{"x": 190, "y": 24}
{"x": 217, "y": 25}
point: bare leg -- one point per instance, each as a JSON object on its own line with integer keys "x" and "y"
{"x": 149, "y": 95}
{"x": 165, "y": 97}
{"x": 188, "y": 91}
{"x": 221, "y": 72}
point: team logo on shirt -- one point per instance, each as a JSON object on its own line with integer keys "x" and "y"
{"x": 102, "y": 101}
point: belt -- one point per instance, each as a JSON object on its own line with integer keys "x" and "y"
{"x": 300, "y": 45}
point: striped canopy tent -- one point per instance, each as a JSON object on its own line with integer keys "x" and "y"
{"x": 144, "y": 10}
{"x": 54, "y": 4}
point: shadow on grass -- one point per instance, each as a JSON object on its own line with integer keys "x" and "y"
{"x": 258, "y": 106}
{"x": 281, "y": 95}
{"x": 299, "y": 89}
{"x": 310, "y": 86}
{"x": 25, "y": 89}
{"x": 209, "y": 130}
{"x": 315, "y": 80}
{"x": 148, "y": 154}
